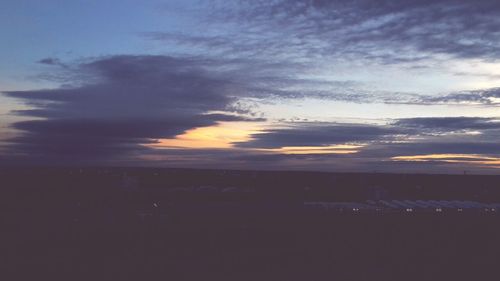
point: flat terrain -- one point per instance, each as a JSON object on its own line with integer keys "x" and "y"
{"x": 140, "y": 224}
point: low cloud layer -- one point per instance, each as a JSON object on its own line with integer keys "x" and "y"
{"x": 380, "y": 145}
{"x": 319, "y": 134}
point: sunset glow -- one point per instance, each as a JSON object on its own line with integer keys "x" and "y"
{"x": 473, "y": 159}
{"x": 222, "y": 135}
{"x": 332, "y": 149}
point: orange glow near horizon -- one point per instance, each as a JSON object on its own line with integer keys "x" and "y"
{"x": 222, "y": 135}
{"x": 225, "y": 134}
{"x": 331, "y": 149}
{"x": 476, "y": 159}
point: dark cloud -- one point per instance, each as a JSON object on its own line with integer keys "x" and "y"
{"x": 319, "y": 134}
{"x": 118, "y": 103}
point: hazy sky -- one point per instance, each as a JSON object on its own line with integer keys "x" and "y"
{"x": 337, "y": 85}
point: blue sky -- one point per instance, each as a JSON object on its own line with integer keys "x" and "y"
{"x": 407, "y": 86}
{"x": 74, "y": 29}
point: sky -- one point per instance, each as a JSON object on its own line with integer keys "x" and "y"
{"x": 409, "y": 86}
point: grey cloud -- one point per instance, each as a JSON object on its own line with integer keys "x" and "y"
{"x": 485, "y": 96}
{"x": 50, "y": 61}
{"x": 450, "y": 123}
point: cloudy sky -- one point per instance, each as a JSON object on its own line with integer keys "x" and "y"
{"x": 333, "y": 85}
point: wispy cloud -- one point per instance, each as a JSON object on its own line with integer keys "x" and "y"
{"x": 484, "y": 96}
{"x": 315, "y": 36}
{"x": 385, "y": 30}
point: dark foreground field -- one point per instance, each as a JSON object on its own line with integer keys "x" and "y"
{"x": 346, "y": 247}
{"x": 103, "y": 233}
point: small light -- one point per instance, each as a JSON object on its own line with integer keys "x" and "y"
{"x": 439, "y": 210}
{"x": 409, "y": 210}
{"x": 460, "y": 210}
{"x": 155, "y": 205}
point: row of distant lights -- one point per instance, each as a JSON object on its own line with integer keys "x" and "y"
{"x": 409, "y": 210}
{"x": 439, "y": 210}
